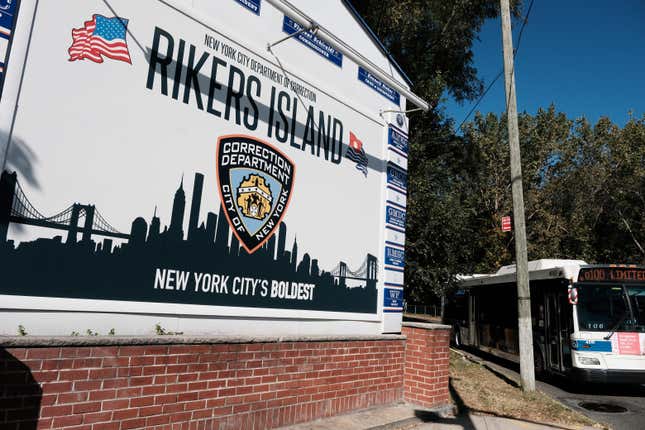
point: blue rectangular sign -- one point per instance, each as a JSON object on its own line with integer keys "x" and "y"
{"x": 379, "y": 86}
{"x": 394, "y": 216}
{"x": 7, "y": 13}
{"x": 289, "y": 26}
{"x": 396, "y": 139}
{"x": 593, "y": 345}
{"x": 393, "y": 298}
{"x": 7, "y": 22}
{"x": 397, "y": 177}
{"x": 394, "y": 256}
{"x": 252, "y": 5}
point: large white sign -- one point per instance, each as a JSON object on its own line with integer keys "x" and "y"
{"x": 166, "y": 162}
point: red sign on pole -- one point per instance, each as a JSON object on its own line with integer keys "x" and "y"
{"x": 506, "y": 223}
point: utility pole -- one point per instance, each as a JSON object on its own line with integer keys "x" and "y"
{"x": 527, "y": 371}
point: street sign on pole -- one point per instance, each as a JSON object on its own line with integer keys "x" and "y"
{"x": 506, "y": 223}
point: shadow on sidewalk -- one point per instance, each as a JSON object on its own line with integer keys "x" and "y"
{"x": 462, "y": 418}
{"x": 463, "y": 413}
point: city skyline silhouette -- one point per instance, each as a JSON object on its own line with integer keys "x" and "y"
{"x": 206, "y": 247}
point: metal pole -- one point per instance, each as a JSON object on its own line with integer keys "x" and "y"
{"x": 527, "y": 371}
{"x": 312, "y": 27}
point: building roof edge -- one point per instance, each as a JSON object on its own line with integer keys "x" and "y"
{"x": 357, "y": 16}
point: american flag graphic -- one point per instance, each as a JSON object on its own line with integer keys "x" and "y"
{"x": 100, "y": 36}
{"x": 356, "y": 153}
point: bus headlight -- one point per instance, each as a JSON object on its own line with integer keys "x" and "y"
{"x": 589, "y": 361}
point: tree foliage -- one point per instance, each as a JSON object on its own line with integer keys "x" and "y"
{"x": 432, "y": 41}
{"x": 583, "y": 188}
{"x": 583, "y": 183}
{"x": 584, "y": 197}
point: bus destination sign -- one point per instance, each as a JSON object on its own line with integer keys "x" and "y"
{"x": 612, "y": 274}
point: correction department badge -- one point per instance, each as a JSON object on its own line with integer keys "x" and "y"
{"x": 255, "y": 182}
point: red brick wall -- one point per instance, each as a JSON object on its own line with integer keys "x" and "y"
{"x": 426, "y": 365}
{"x": 210, "y": 386}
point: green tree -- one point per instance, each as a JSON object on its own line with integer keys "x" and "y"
{"x": 432, "y": 41}
{"x": 601, "y": 192}
{"x": 583, "y": 188}
{"x": 438, "y": 231}
{"x": 583, "y": 184}
{"x": 543, "y": 138}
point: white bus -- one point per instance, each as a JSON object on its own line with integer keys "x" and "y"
{"x": 588, "y": 320}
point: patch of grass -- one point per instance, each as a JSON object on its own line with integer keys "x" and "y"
{"x": 479, "y": 390}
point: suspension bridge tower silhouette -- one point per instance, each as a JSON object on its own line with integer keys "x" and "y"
{"x": 15, "y": 207}
{"x": 366, "y": 272}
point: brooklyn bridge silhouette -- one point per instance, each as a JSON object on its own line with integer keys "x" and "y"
{"x": 123, "y": 265}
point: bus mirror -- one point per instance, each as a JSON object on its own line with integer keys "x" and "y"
{"x": 573, "y": 295}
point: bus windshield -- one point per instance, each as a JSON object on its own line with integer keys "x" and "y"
{"x": 611, "y": 307}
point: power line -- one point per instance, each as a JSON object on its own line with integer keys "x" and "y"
{"x": 481, "y": 98}
{"x": 501, "y": 72}
{"x": 526, "y": 20}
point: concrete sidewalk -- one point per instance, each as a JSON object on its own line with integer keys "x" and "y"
{"x": 408, "y": 417}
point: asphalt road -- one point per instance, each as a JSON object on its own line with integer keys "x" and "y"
{"x": 631, "y": 398}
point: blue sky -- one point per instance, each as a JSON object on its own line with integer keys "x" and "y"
{"x": 586, "y": 57}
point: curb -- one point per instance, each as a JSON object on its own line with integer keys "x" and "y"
{"x": 397, "y": 425}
